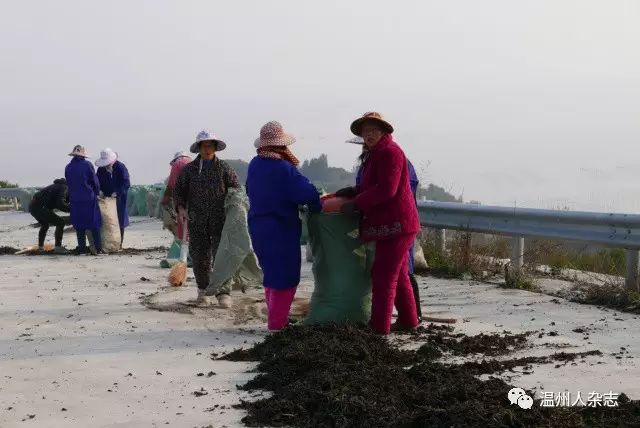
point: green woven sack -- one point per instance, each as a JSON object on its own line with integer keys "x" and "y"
{"x": 341, "y": 269}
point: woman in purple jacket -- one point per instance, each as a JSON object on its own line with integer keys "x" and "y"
{"x": 83, "y": 199}
{"x": 113, "y": 177}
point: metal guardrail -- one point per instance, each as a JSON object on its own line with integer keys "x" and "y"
{"x": 19, "y": 196}
{"x": 12, "y": 192}
{"x": 613, "y": 230}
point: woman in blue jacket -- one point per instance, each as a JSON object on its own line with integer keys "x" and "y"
{"x": 83, "y": 199}
{"x": 114, "y": 181}
{"x": 276, "y": 189}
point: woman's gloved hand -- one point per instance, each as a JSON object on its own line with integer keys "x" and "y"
{"x": 347, "y": 192}
{"x": 350, "y": 209}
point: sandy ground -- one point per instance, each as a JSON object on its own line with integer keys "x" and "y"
{"x": 86, "y": 341}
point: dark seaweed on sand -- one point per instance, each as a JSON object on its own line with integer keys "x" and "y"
{"x": 345, "y": 376}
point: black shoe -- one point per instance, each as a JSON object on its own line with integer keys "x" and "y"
{"x": 95, "y": 252}
{"x": 399, "y": 328}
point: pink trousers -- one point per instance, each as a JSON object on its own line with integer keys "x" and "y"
{"x": 278, "y": 306}
{"x": 391, "y": 285}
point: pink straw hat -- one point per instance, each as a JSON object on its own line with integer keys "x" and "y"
{"x": 272, "y": 134}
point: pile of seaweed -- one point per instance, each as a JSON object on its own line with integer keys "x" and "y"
{"x": 346, "y": 376}
{"x": 8, "y": 251}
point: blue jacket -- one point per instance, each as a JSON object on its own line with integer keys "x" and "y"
{"x": 116, "y": 182}
{"x": 81, "y": 180}
{"x": 83, "y": 194}
{"x": 276, "y": 189}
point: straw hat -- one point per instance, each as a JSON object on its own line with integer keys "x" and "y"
{"x": 79, "y": 151}
{"x": 179, "y": 155}
{"x": 356, "y": 126}
{"x": 206, "y": 135}
{"x": 107, "y": 157}
{"x": 272, "y": 134}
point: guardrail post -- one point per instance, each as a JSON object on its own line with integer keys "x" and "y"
{"x": 517, "y": 253}
{"x": 633, "y": 267}
{"x": 466, "y": 261}
{"x": 441, "y": 241}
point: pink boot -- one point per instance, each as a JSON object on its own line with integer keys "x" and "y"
{"x": 278, "y": 306}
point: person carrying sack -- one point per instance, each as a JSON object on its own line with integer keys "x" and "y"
{"x": 53, "y": 197}
{"x": 169, "y": 216}
{"x": 276, "y": 189}
{"x": 113, "y": 177}
{"x": 199, "y": 197}
{"x": 83, "y": 199}
{"x": 350, "y": 192}
{"x": 389, "y": 217}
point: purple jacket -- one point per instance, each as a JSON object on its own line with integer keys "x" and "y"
{"x": 83, "y": 194}
{"x": 82, "y": 180}
{"x": 116, "y": 182}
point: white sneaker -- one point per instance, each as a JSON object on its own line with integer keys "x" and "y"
{"x": 203, "y": 299}
{"x": 224, "y": 300}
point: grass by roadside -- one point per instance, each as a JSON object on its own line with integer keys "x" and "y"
{"x": 485, "y": 258}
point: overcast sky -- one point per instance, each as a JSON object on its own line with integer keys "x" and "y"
{"x": 533, "y": 103}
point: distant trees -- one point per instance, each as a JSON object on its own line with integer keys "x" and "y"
{"x": 436, "y": 193}
{"x": 332, "y": 178}
{"x": 240, "y": 167}
{"x": 7, "y": 185}
{"x": 322, "y": 175}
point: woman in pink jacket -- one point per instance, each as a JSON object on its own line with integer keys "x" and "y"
{"x": 390, "y": 218}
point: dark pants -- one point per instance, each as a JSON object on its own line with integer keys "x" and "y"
{"x": 205, "y": 231}
{"x": 82, "y": 240}
{"x": 203, "y": 246}
{"x": 414, "y": 283}
{"x": 416, "y": 294}
{"x": 47, "y": 217}
{"x": 121, "y": 236}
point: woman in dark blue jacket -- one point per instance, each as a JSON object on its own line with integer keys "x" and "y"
{"x": 114, "y": 181}
{"x": 83, "y": 199}
{"x": 276, "y": 189}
